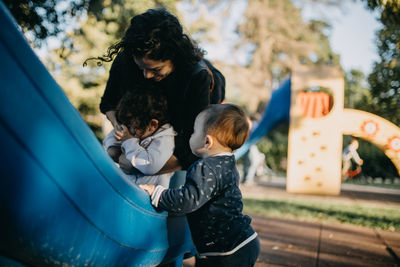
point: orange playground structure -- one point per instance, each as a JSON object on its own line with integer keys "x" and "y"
{"x": 318, "y": 121}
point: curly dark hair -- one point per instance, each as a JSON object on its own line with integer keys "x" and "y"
{"x": 158, "y": 35}
{"x": 143, "y": 105}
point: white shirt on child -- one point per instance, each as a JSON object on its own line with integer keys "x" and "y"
{"x": 148, "y": 155}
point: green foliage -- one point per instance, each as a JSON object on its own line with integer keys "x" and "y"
{"x": 323, "y": 52}
{"x": 376, "y": 163}
{"x": 383, "y": 97}
{"x": 385, "y": 77}
{"x": 373, "y": 217}
{"x": 283, "y": 32}
{"x": 42, "y": 18}
{"x": 274, "y": 146}
{"x": 277, "y": 39}
{"x": 389, "y": 10}
{"x": 46, "y": 18}
{"x": 356, "y": 94}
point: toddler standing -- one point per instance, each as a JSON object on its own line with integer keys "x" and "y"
{"x": 211, "y": 197}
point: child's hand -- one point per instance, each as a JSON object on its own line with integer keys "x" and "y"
{"x": 123, "y": 134}
{"x": 149, "y": 188}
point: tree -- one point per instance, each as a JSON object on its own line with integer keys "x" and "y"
{"x": 356, "y": 94}
{"x": 389, "y": 10}
{"x": 383, "y": 96}
{"x": 44, "y": 18}
{"x": 276, "y": 38}
{"x": 385, "y": 77}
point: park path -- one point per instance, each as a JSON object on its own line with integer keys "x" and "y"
{"x": 295, "y": 243}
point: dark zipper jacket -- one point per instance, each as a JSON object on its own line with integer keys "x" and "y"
{"x": 212, "y": 200}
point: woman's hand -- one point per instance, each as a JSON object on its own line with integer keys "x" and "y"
{"x": 123, "y": 134}
{"x": 149, "y": 188}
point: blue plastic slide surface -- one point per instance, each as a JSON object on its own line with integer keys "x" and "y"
{"x": 277, "y": 111}
{"x": 62, "y": 199}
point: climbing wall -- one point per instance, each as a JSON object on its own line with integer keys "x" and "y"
{"x": 315, "y": 140}
{"x": 318, "y": 122}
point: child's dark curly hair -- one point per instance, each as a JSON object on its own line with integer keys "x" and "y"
{"x": 158, "y": 35}
{"x": 143, "y": 105}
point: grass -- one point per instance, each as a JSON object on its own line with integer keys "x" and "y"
{"x": 373, "y": 217}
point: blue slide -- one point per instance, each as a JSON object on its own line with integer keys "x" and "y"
{"x": 62, "y": 199}
{"x": 277, "y": 111}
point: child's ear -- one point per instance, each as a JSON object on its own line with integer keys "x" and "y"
{"x": 153, "y": 125}
{"x": 209, "y": 142}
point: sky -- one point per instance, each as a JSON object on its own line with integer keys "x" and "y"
{"x": 224, "y": 36}
{"x": 352, "y": 35}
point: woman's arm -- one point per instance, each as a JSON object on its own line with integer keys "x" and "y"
{"x": 172, "y": 165}
{"x": 111, "y": 116}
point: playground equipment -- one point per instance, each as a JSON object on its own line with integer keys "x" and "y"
{"x": 316, "y": 130}
{"x": 277, "y": 111}
{"x": 318, "y": 122}
{"x": 62, "y": 199}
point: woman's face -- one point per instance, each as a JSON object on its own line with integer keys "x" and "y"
{"x": 153, "y": 69}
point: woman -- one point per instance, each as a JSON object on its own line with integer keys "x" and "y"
{"x": 156, "y": 50}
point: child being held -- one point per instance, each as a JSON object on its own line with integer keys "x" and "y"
{"x": 211, "y": 197}
{"x": 145, "y": 140}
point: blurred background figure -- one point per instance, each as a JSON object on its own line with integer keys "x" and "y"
{"x": 254, "y": 161}
{"x": 349, "y": 156}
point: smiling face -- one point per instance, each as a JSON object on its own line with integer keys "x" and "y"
{"x": 154, "y": 69}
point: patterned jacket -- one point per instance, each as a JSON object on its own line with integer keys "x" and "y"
{"x": 212, "y": 201}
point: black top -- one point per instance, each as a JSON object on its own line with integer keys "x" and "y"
{"x": 187, "y": 91}
{"x": 212, "y": 200}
